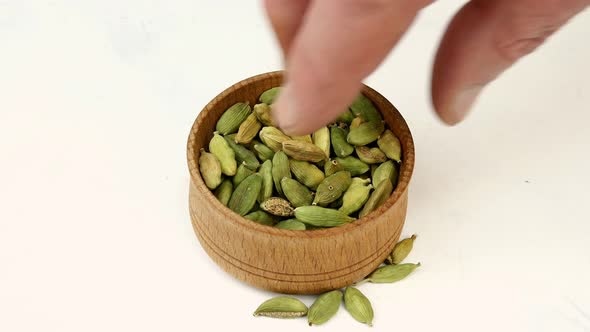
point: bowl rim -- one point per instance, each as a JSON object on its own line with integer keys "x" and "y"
{"x": 406, "y": 168}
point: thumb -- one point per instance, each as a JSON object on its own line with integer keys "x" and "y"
{"x": 338, "y": 45}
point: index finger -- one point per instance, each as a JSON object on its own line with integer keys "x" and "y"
{"x": 338, "y": 45}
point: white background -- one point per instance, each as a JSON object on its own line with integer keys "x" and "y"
{"x": 96, "y": 102}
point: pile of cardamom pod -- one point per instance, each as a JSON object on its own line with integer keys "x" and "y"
{"x": 339, "y": 173}
{"x": 355, "y": 302}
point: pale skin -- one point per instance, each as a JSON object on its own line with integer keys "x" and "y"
{"x": 330, "y": 46}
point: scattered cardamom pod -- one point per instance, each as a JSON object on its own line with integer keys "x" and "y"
{"x": 320, "y": 216}
{"x": 370, "y": 155}
{"x": 248, "y": 129}
{"x": 291, "y": 224}
{"x": 387, "y": 170}
{"x": 390, "y": 145}
{"x": 280, "y": 170}
{"x": 306, "y": 173}
{"x": 356, "y": 195}
{"x": 282, "y": 307}
{"x": 224, "y": 191}
{"x": 241, "y": 174}
{"x": 354, "y": 165}
{"x": 273, "y": 138}
{"x": 332, "y": 188}
{"x": 392, "y": 273}
{"x": 401, "y": 250}
{"x": 244, "y": 196}
{"x": 269, "y": 96}
{"x": 224, "y": 153}
{"x": 303, "y": 151}
{"x": 261, "y": 217}
{"x": 296, "y": 193}
{"x": 339, "y": 143}
{"x": 324, "y": 307}
{"x": 232, "y": 118}
{"x": 210, "y": 169}
{"x": 277, "y": 206}
{"x": 321, "y": 138}
{"x": 358, "y": 305}
{"x": 263, "y": 114}
{"x": 243, "y": 154}
{"x": 332, "y": 166}
{"x": 378, "y": 197}
{"x": 267, "y": 181}
{"x": 365, "y": 133}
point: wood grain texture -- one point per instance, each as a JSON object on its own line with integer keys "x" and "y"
{"x": 285, "y": 261}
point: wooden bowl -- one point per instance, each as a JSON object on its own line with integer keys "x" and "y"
{"x": 286, "y": 261}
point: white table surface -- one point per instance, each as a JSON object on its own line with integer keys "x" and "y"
{"x": 96, "y": 102}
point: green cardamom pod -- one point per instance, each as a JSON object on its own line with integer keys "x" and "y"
{"x": 320, "y": 216}
{"x": 232, "y": 118}
{"x": 363, "y": 107}
{"x": 269, "y": 96}
{"x": 366, "y": 133}
{"x": 263, "y": 114}
{"x": 332, "y": 166}
{"x": 392, "y": 273}
{"x": 273, "y": 138}
{"x": 261, "y": 217}
{"x": 370, "y": 155}
{"x": 378, "y": 197}
{"x": 278, "y": 207}
{"x": 244, "y": 196}
{"x": 390, "y": 145}
{"x": 282, "y": 307}
{"x": 243, "y": 154}
{"x": 332, "y": 188}
{"x": 353, "y": 165}
{"x": 224, "y": 153}
{"x": 308, "y": 174}
{"x": 387, "y": 170}
{"x": 346, "y": 117}
{"x": 358, "y": 305}
{"x": 267, "y": 181}
{"x": 321, "y": 138}
{"x": 401, "y": 250}
{"x": 291, "y": 224}
{"x": 324, "y": 307}
{"x": 356, "y": 195}
{"x": 210, "y": 169}
{"x": 224, "y": 191}
{"x": 304, "y": 151}
{"x": 296, "y": 193}
{"x": 241, "y": 174}
{"x": 339, "y": 144}
{"x": 262, "y": 151}
{"x": 248, "y": 130}
{"x": 280, "y": 170}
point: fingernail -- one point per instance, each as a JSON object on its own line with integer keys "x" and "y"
{"x": 463, "y": 103}
{"x": 285, "y": 114}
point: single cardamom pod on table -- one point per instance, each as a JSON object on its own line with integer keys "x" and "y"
{"x": 324, "y": 307}
{"x": 358, "y": 305}
{"x": 401, "y": 250}
{"x": 282, "y": 307}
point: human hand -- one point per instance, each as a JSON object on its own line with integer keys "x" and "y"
{"x": 330, "y": 46}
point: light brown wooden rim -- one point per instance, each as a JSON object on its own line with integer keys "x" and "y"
{"x": 406, "y": 168}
